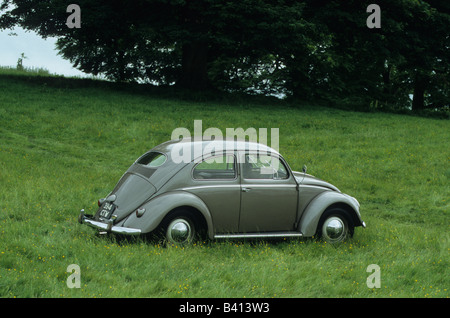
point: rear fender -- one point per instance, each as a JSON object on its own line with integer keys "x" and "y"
{"x": 157, "y": 208}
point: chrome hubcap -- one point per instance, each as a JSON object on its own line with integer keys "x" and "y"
{"x": 334, "y": 229}
{"x": 179, "y": 231}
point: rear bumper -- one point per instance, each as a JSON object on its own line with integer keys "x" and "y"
{"x": 108, "y": 227}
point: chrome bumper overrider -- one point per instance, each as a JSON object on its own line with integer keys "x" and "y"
{"x": 108, "y": 227}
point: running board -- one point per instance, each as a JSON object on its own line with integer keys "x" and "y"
{"x": 258, "y": 235}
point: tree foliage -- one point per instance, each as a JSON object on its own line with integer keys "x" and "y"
{"x": 310, "y": 49}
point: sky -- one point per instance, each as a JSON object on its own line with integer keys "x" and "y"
{"x": 39, "y": 53}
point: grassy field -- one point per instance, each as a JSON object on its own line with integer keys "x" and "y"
{"x": 65, "y": 143}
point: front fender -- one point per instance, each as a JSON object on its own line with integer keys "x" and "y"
{"x": 157, "y": 208}
{"x": 310, "y": 218}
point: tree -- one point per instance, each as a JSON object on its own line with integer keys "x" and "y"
{"x": 428, "y": 54}
{"x": 310, "y": 49}
{"x": 161, "y": 40}
{"x": 350, "y": 63}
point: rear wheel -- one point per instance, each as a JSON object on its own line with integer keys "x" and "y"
{"x": 335, "y": 226}
{"x": 180, "y": 230}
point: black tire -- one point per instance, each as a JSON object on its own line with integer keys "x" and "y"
{"x": 335, "y": 226}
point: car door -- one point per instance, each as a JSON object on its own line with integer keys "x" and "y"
{"x": 269, "y": 194}
{"x": 215, "y": 181}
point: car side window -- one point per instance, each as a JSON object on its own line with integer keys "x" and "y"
{"x": 152, "y": 159}
{"x": 216, "y": 168}
{"x": 264, "y": 167}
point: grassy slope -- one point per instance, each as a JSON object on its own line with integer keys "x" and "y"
{"x": 63, "y": 148}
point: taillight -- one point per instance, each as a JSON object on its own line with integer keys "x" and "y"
{"x": 100, "y": 202}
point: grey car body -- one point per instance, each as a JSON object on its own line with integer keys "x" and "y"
{"x": 227, "y": 189}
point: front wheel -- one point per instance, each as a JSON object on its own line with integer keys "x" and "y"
{"x": 335, "y": 226}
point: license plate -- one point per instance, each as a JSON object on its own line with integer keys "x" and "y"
{"x": 107, "y": 210}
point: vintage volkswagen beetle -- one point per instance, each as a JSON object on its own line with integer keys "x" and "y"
{"x": 227, "y": 189}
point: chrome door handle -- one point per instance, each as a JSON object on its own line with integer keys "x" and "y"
{"x": 245, "y": 189}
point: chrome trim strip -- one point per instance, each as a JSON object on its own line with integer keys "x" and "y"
{"x": 246, "y": 185}
{"x": 258, "y": 185}
{"x": 212, "y": 186}
{"x": 313, "y": 186}
{"x": 258, "y": 235}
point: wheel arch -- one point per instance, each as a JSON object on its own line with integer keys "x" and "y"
{"x": 325, "y": 202}
{"x": 194, "y": 213}
{"x": 347, "y": 208}
{"x": 165, "y": 205}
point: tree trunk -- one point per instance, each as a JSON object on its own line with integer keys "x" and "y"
{"x": 194, "y": 66}
{"x": 387, "y": 80}
{"x": 419, "y": 92}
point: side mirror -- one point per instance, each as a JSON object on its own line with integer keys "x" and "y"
{"x": 304, "y": 169}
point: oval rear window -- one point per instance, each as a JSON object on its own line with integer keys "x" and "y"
{"x": 152, "y": 159}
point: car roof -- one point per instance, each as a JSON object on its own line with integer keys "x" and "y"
{"x": 175, "y": 162}
{"x": 217, "y": 144}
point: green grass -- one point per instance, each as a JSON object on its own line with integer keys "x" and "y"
{"x": 65, "y": 143}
